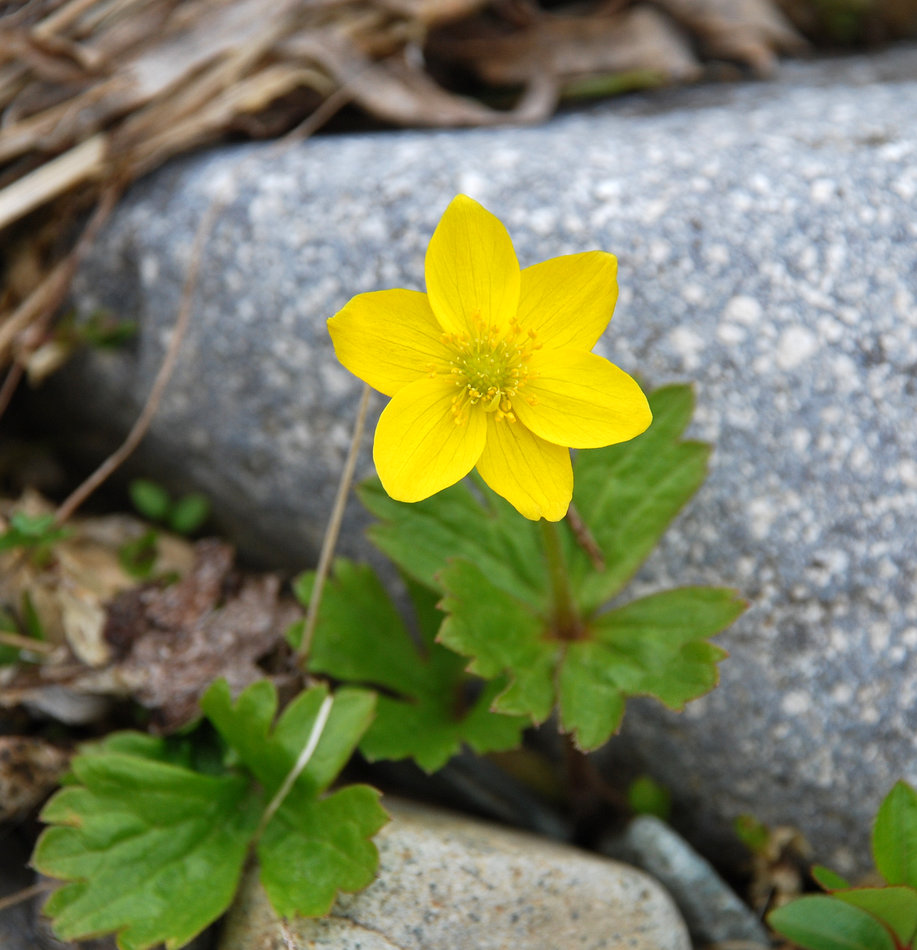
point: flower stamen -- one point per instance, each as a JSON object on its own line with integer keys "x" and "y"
{"x": 489, "y": 367}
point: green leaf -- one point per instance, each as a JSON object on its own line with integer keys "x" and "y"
{"x": 152, "y": 833}
{"x": 329, "y": 836}
{"x": 136, "y": 837}
{"x": 592, "y": 691}
{"x": 647, "y": 797}
{"x": 752, "y": 832}
{"x": 138, "y": 556}
{"x": 502, "y": 636}
{"x": 894, "y": 836}
{"x": 428, "y": 709}
{"x": 246, "y": 727}
{"x": 489, "y": 562}
{"x": 99, "y": 329}
{"x": 150, "y": 499}
{"x": 36, "y": 534}
{"x": 421, "y": 537}
{"x": 894, "y": 906}
{"x": 654, "y": 646}
{"x": 314, "y": 848}
{"x": 827, "y": 879}
{"x": 825, "y": 923}
{"x": 628, "y": 494}
{"x": 189, "y": 513}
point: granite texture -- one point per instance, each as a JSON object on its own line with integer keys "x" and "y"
{"x": 713, "y": 913}
{"x": 451, "y": 883}
{"x": 767, "y": 245}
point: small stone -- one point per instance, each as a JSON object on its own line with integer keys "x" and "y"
{"x": 454, "y": 883}
{"x": 712, "y": 911}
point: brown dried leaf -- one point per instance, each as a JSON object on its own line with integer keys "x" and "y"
{"x": 391, "y": 89}
{"x": 29, "y": 769}
{"x": 167, "y": 645}
{"x": 69, "y": 593}
{"x": 779, "y": 868}
{"x": 568, "y": 48}
{"x": 751, "y": 32}
{"x": 175, "y": 641}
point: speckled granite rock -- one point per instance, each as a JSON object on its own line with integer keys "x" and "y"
{"x": 767, "y": 243}
{"x": 451, "y": 883}
{"x": 713, "y": 913}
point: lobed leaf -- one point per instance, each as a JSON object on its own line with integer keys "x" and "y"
{"x": 154, "y": 851}
{"x": 655, "y": 646}
{"x": 153, "y": 848}
{"x": 313, "y": 848}
{"x": 270, "y": 755}
{"x": 628, "y": 494}
{"x": 501, "y": 635}
{"x": 490, "y": 565}
{"x": 429, "y": 707}
{"x": 421, "y": 537}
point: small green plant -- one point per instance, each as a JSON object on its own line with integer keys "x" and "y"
{"x": 753, "y": 833}
{"x": 153, "y": 833}
{"x": 36, "y": 535}
{"x": 647, "y": 797}
{"x": 138, "y": 556}
{"x": 183, "y": 515}
{"x": 535, "y": 647}
{"x": 99, "y": 330}
{"x": 512, "y": 618}
{"x": 864, "y": 918}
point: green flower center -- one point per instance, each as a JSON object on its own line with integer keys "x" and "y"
{"x": 490, "y": 369}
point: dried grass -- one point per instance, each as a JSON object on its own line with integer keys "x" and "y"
{"x": 95, "y": 93}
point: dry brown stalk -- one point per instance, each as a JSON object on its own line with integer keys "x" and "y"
{"x": 84, "y": 161}
{"x": 142, "y": 423}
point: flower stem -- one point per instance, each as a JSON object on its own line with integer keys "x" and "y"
{"x": 332, "y": 531}
{"x": 566, "y": 622}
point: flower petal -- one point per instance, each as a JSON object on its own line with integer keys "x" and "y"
{"x": 388, "y": 338}
{"x": 534, "y": 476}
{"x": 418, "y": 448}
{"x": 568, "y": 301}
{"x": 581, "y": 400}
{"x": 471, "y": 268}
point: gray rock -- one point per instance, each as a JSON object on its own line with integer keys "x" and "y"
{"x": 711, "y": 909}
{"x": 767, "y": 242}
{"x": 448, "y": 882}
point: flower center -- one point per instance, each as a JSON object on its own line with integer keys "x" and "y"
{"x": 490, "y": 368}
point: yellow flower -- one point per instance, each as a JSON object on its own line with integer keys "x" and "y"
{"x": 491, "y": 367}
